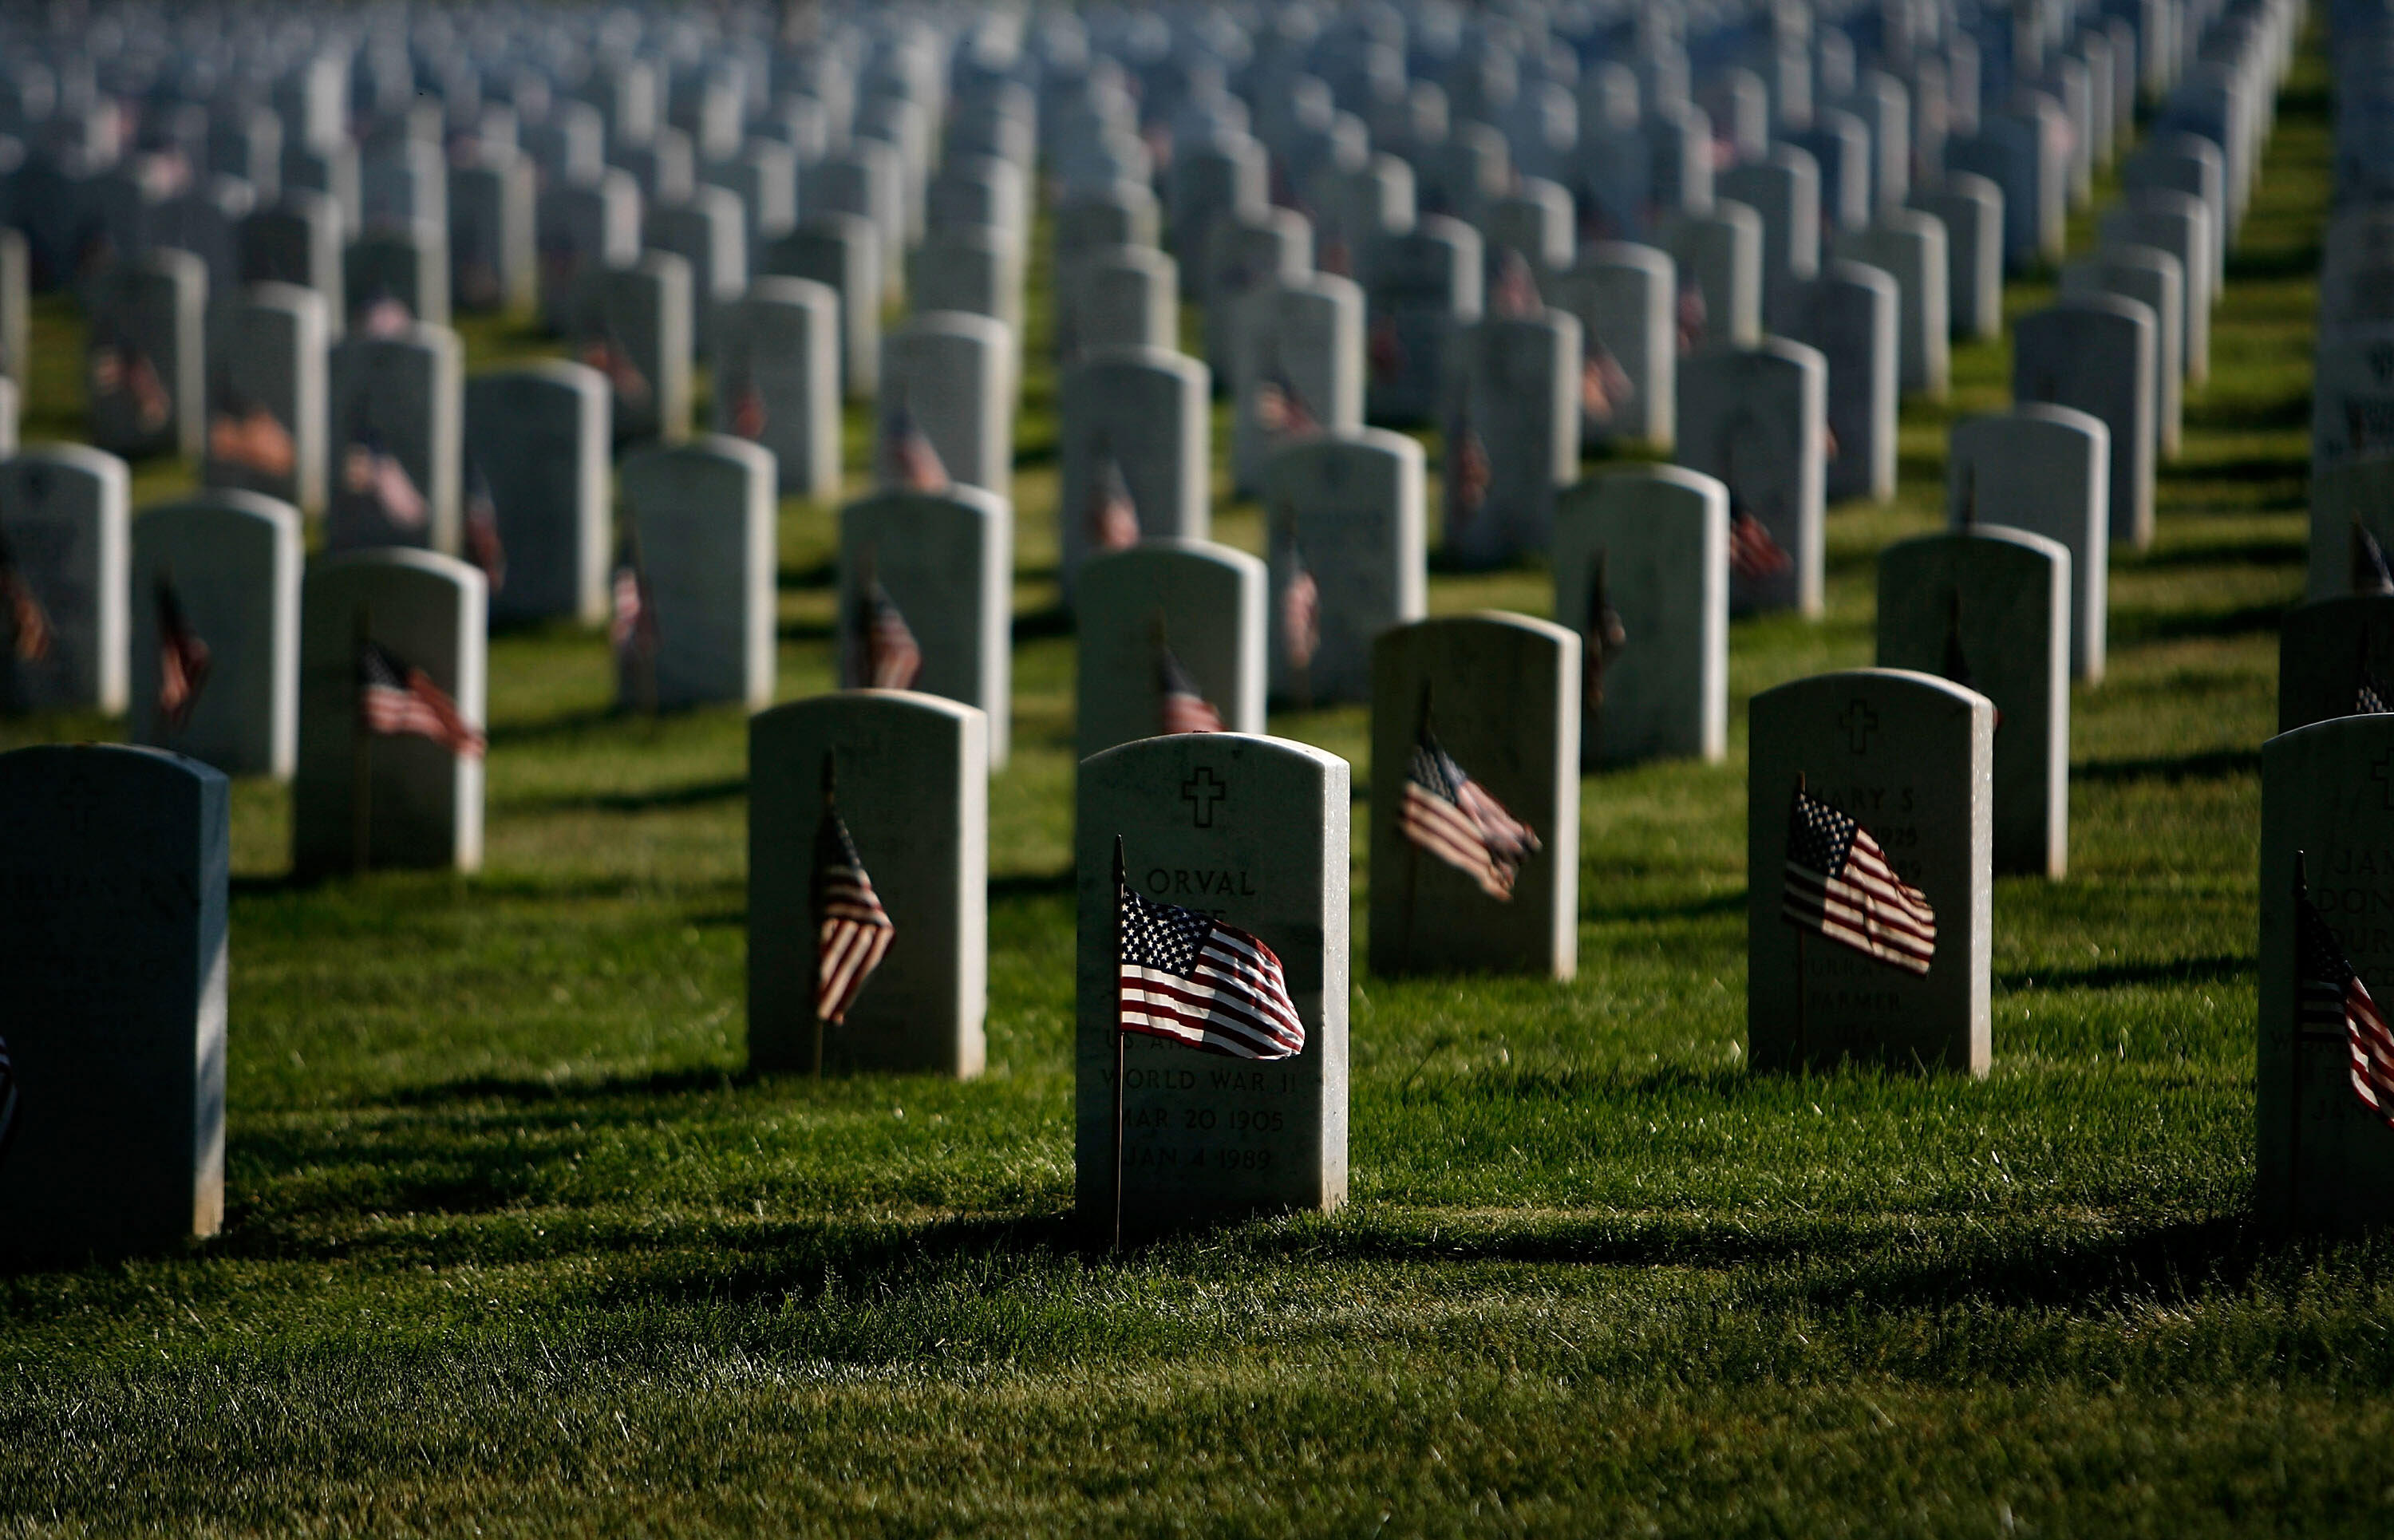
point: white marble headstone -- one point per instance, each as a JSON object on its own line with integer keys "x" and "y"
{"x": 536, "y": 438}
{"x": 946, "y": 561}
{"x": 229, "y": 563}
{"x": 63, "y": 511}
{"x": 704, "y": 514}
{"x": 1756, "y": 420}
{"x": 2045, "y": 469}
{"x": 1202, "y": 603}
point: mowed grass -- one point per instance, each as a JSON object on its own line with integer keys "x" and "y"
{"x": 514, "y": 1245}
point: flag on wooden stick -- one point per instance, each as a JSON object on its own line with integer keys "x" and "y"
{"x": 29, "y": 623}
{"x": 852, "y": 930}
{"x": 1186, "y": 977}
{"x": 1113, "y": 516}
{"x": 1839, "y": 883}
{"x": 182, "y": 659}
{"x": 396, "y": 699}
{"x": 1185, "y": 707}
{"x": 2331, "y": 997}
{"x": 1452, "y": 816}
{"x": 883, "y": 653}
{"x": 908, "y": 460}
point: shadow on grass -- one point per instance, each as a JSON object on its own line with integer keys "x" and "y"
{"x": 2209, "y": 765}
{"x": 1032, "y": 885}
{"x": 577, "y": 1093}
{"x": 2245, "y": 620}
{"x": 2183, "y": 971}
{"x": 2254, "y": 468}
{"x": 1042, "y": 624}
{"x": 823, "y": 574}
{"x": 569, "y": 724}
{"x": 1712, "y": 904}
{"x": 697, "y": 795}
{"x": 2249, "y": 553}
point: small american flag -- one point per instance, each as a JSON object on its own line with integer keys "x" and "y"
{"x": 372, "y": 472}
{"x": 1279, "y": 410}
{"x": 1514, "y": 294}
{"x": 605, "y": 353}
{"x": 1300, "y": 614}
{"x": 2370, "y": 571}
{"x": 397, "y": 699}
{"x": 28, "y": 622}
{"x": 1839, "y": 883}
{"x": 2332, "y": 998}
{"x": 119, "y": 368}
{"x": 883, "y": 653}
{"x": 482, "y": 544}
{"x": 1386, "y": 349}
{"x": 1185, "y": 707}
{"x": 2375, "y": 697}
{"x": 1186, "y": 977}
{"x": 1604, "y": 386}
{"x": 908, "y": 460}
{"x": 1753, "y": 554}
{"x": 182, "y": 659}
{"x": 748, "y": 411}
{"x": 1113, "y": 517}
{"x": 1691, "y": 317}
{"x": 1601, "y": 637}
{"x": 1467, "y": 472}
{"x": 1452, "y": 816}
{"x": 852, "y": 932}
{"x": 632, "y": 626}
{"x": 243, "y": 433}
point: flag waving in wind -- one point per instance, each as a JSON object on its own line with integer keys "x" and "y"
{"x": 2370, "y": 572}
{"x": 481, "y": 528}
{"x": 1452, "y": 816}
{"x": 371, "y": 473}
{"x": 1184, "y": 705}
{"x": 883, "y": 653}
{"x": 1468, "y": 471}
{"x": 1280, "y": 411}
{"x": 1113, "y": 517}
{"x": 852, "y": 930}
{"x": 397, "y": 699}
{"x": 1601, "y": 637}
{"x": 1514, "y": 293}
{"x": 908, "y": 460}
{"x": 1839, "y": 883}
{"x": 632, "y": 625}
{"x": 1753, "y": 554}
{"x": 2331, "y": 997}
{"x": 182, "y": 659}
{"x": 1186, "y": 977}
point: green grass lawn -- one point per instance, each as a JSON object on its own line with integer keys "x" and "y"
{"x": 512, "y": 1244}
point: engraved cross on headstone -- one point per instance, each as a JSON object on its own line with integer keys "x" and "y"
{"x": 1200, "y": 792}
{"x": 1860, "y": 721}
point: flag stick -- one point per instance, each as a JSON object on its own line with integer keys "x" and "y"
{"x": 360, "y": 755}
{"x": 2295, "y": 1056}
{"x": 830, "y": 790}
{"x": 1802, "y": 987}
{"x": 1118, "y": 1046}
{"x": 1413, "y": 851}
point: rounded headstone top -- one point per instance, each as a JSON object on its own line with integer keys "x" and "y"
{"x": 578, "y": 377}
{"x": 805, "y": 292}
{"x": 707, "y": 447}
{"x": 2107, "y": 304}
{"x": 1623, "y": 254}
{"x": 1651, "y": 474}
{"x": 82, "y": 457}
{"x": 1932, "y": 690}
{"x": 1348, "y": 440}
{"x": 1239, "y": 744}
{"x": 1172, "y": 547}
{"x": 269, "y": 296}
{"x": 407, "y": 557}
{"x": 1140, "y": 356}
{"x": 873, "y": 701}
{"x": 954, "y": 323}
{"x": 122, "y": 766}
{"x": 222, "y": 502}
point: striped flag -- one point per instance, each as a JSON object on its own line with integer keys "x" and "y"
{"x": 1300, "y": 614}
{"x": 1604, "y": 386}
{"x": 632, "y": 625}
{"x": 1601, "y": 638}
{"x": 909, "y": 459}
{"x": 2332, "y": 998}
{"x": 370, "y": 471}
{"x": 883, "y": 653}
{"x": 483, "y": 546}
{"x": 1839, "y": 883}
{"x": 1453, "y": 817}
{"x": 1691, "y": 316}
{"x": 2370, "y": 572}
{"x": 1113, "y": 517}
{"x": 242, "y": 432}
{"x": 852, "y": 932}
{"x": 1753, "y": 554}
{"x": 1467, "y": 472}
{"x": 1279, "y": 410}
{"x": 1186, "y": 977}
{"x": 29, "y": 623}
{"x": 119, "y": 368}
{"x": 1514, "y": 293}
{"x": 1185, "y": 707}
{"x": 397, "y": 699}
{"x": 2374, "y": 698}
{"x": 182, "y": 659}
{"x": 604, "y": 352}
